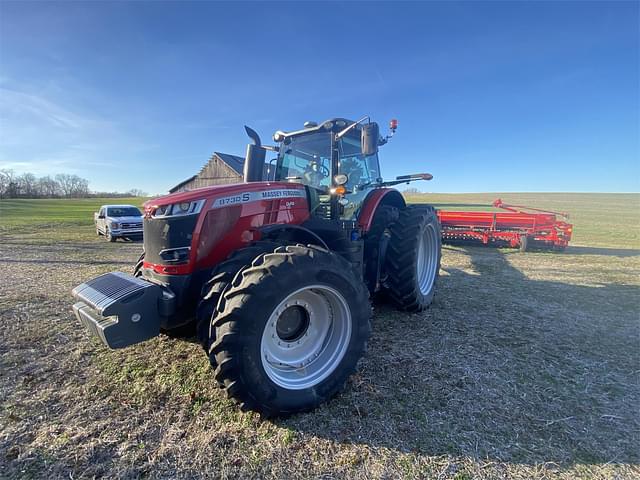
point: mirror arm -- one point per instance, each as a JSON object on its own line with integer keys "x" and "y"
{"x": 384, "y": 140}
{"x": 407, "y": 179}
{"x": 342, "y": 133}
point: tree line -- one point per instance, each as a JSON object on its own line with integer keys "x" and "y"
{"x": 63, "y": 185}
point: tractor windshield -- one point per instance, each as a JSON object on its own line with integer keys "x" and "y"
{"x": 306, "y": 159}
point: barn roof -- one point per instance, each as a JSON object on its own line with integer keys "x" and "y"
{"x": 176, "y": 187}
{"x": 233, "y": 161}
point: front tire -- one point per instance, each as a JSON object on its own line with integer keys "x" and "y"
{"x": 220, "y": 280}
{"x": 108, "y": 236}
{"x": 412, "y": 261}
{"x": 293, "y": 327}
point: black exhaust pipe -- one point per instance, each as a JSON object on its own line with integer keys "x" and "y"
{"x": 254, "y": 160}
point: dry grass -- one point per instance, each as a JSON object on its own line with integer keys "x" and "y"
{"x": 526, "y": 366}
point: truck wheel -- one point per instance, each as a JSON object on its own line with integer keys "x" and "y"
{"x": 412, "y": 262}
{"x": 221, "y": 278}
{"x": 293, "y": 327}
{"x": 108, "y": 235}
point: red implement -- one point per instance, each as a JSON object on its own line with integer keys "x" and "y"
{"x": 518, "y": 227}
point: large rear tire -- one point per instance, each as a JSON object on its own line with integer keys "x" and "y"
{"x": 412, "y": 260}
{"x": 291, "y": 331}
{"x": 375, "y": 244}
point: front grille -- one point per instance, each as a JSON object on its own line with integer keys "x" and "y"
{"x": 167, "y": 233}
{"x": 131, "y": 225}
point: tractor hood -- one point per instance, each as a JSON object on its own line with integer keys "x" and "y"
{"x": 216, "y": 191}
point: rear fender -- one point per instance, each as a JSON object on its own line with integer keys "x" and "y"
{"x": 380, "y": 196}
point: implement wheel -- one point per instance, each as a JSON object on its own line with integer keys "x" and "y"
{"x": 293, "y": 327}
{"x": 412, "y": 260}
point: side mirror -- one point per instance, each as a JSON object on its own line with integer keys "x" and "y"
{"x": 370, "y": 138}
{"x": 100, "y": 216}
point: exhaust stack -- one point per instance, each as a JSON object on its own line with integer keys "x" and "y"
{"x": 254, "y": 160}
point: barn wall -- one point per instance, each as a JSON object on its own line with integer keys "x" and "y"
{"x": 215, "y": 172}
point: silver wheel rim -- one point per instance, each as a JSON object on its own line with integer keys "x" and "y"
{"x": 308, "y": 355}
{"x": 427, "y": 259}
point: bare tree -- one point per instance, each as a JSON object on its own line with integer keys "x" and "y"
{"x": 7, "y": 178}
{"x": 79, "y": 187}
{"x": 48, "y": 187}
{"x": 27, "y": 185}
{"x": 136, "y": 192}
{"x": 65, "y": 182}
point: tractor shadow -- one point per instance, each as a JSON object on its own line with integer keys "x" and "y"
{"x": 501, "y": 367}
{"x": 614, "y": 252}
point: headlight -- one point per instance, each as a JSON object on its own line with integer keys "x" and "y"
{"x": 178, "y": 209}
{"x": 176, "y": 255}
{"x": 114, "y": 225}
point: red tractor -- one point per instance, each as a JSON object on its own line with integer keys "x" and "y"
{"x": 274, "y": 276}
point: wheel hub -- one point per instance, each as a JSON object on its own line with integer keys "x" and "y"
{"x": 306, "y": 337}
{"x": 292, "y": 324}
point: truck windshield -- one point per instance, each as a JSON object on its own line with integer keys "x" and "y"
{"x": 307, "y": 159}
{"x": 123, "y": 212}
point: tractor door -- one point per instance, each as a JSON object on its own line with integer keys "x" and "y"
{"x": 363, "y": 173}
{"x": 307, "y": 159}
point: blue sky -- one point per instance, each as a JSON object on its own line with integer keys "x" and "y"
{"x": 489, "y": 96}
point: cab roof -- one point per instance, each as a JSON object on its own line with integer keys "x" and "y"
{"x": 327, "y": 125}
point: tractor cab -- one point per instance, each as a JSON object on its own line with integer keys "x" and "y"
{"x": 337, "y": 160}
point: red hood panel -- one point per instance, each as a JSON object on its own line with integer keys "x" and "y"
{"x": 217, "y": 191}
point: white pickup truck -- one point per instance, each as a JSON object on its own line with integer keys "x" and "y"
{"x": 118, "y": 221}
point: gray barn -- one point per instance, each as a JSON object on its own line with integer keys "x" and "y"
{"x": 221, "y": 168}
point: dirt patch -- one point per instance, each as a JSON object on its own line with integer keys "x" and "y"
{"x": 526, "y": 366}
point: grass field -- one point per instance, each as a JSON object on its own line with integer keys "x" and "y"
{"x": 54, "y": 219}
{"x": 526, "y": 366}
